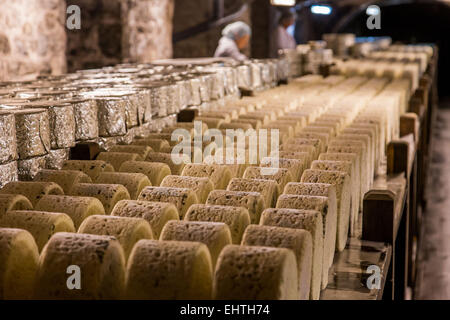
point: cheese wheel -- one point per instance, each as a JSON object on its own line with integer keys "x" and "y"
{"x": 236, "y": 125}
{"x": 182, "y": 198}
{"x": 321, "y": 190}
{"x": 155, "y": 144}
{"x": 215, "y": 235}
{"x": 220, "y": 175}
{"x": 321, "y": 204}
{"x": 126, "y": 230}
{"x": 302, "y": 156}
{"x": 108, "y": 194}
{"x": 142, "y": 151}
{"x": 155, "y": 171}
{"x": 42, "y": 225}
{"x": 212, "y": 123}
{"x": 237, "y": 218}
{"x": 19, "y": 257}
{"x": 201, "y": 186}
{"x": 252, "y": 201}
{"x": 117, "y": 158}
{"x": 134, "y": 182}
{"x": 169, "y": 270}
{"x": 341, "y": 181}
{"x": 10, "y": 202}
{"x": 344, "y": 166}
{"x": 90, "y": 167}
{"x": 353, "y": 158}
{"x": 77, "y": 208}
{"x": 226, "y": 116}
{"x": 280, "y": 175}
{"x": 316, "y": 143}
{"x": 255, "y": 273}
{"x": 98, "y": 259}
{"x": 323, "y": 137}
{"x": 157, "y": 214}
{"x": 267, "y": 188}
{"x": 302, "y": 219}
{"x": 294, "y": 166}
{"x": 255, "y": 123}
{"x": 195, "y": 154}
{"x": 167, "y": 159}
{"x": 64, "y": 178}
{"x": 33, "y": 191}
{"x": 299, "y": 241}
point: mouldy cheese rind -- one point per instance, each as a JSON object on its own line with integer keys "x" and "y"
{"x": 92, "y": 168}
{"x": 116, "y": 159}
{"x": 302, "y": 219}
{"x": 10, "y": 202}
{"x": 100, "y": 260}
{"x": 182, "y": 198}
{"x": 237, "y": 218}
{"x": 157, "y": 214}
{"x": 189, "y": 265}
{"x": 267, "y": 188}
{"x": 215, "y": 235}
{"x": 108, "y": 194}
{"x": 77, "y": 208}
{"x": 134, "y": 182}
{"x": 64, "y": 178}
{"x": 273, "y": 274}
{"x": 155, "y": 171}
{"x": 33, "y": 191}
{"x": 252, "y": 201}
{"x": 19, "y": 258}
{"x": 201, "y": 186}
{"x": 128, "y": 231}
{"x": 42, "y": 225}
{"x": 300, "y": 241}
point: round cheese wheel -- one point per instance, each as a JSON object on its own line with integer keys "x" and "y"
{"x": 155, "y": 171}
{"x": 77, "y": 208}
{"x": 42, "y": 225}
{"x": 90, "y": 167}
{"x": 142, "y": 151}
{"x": 155, "y": 144}
{"x": 252, "y": 201}
{"x": 299, "y": 241}
{"x": 201, "y": 186}
{"x": 97, "y": 261}
{"x": 294, "y": 166}
{"x": 302, "y": 156}
{"x": 329, "y": 218}
{"x": 194, "y": 154}
{"x": 33, "y": 191}
{"x": 127, "y": 230}
{"x": 155, "y": 213}
{"x": 169, "y": 270}
{"x": 134, "y": 182}
{"x": 19, "y": 257}
{"x": 237, "y": 218}
{"x": 235, "y": 125}
{"x": 267, "y": 188}
{"x": 302, "y": 219}
{"x": 215, "y": 235}
{"x": 64, "y": 178}
{"x": 10, "y": 202}
{"x": 167, "y": 159}
{"x": 220, "y": 175}
{"x": 212, "y": 123}
{"x": 182, "y": 198}
{"x": 344, "y": 166}
{"x": 108, "y": 194}
{"x": 280, "y": 175}
{"x": 341, "y": 182}
{"x": 255, "y": 273}
{"x": 117, "y": 158}
{"x": 255, "y": 123}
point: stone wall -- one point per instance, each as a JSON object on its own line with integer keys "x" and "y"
{"x": 32, "y": 38}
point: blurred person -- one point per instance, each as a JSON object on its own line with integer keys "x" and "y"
{"x": 281, "y": 39}
{"x": 235, "y": 37}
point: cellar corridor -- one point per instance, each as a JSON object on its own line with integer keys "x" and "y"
{"x": 434, "y": 251}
